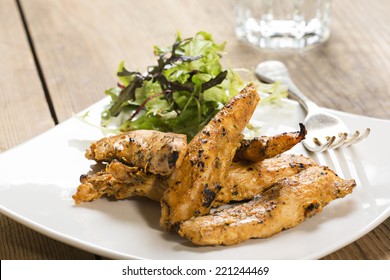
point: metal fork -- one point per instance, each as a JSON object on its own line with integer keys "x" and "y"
{"x": 319, "y": 124}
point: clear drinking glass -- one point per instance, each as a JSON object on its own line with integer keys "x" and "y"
{"x": 283, "y": 24}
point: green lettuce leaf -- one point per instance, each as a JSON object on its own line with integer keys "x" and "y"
{"x": 180, "y": 93}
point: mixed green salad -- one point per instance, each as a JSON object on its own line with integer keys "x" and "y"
{"x": 181, "y": 93}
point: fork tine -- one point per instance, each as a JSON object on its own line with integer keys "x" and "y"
{"x": 343, "y": 141}
{"x": 357, "y": 137}
{"x": 340, "y": 142}
{"x": 329, "y": 141}
{"x": 363, "y": 136}
{"x": 321, "y": 147}
{"x": 352, "y": 139}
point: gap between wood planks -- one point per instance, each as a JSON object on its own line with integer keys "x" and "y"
{"x": 37, "y": 63}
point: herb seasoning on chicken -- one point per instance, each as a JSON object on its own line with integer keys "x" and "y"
{"x": 245, "y": 180}
{"x": 285, "y": 205}
{"x": 193, "y": 186}
{"x": 154, "y": 151}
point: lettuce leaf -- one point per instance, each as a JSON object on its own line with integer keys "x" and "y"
{"x": 181, "y": 93}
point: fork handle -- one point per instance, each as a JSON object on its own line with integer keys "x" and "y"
{"x": 306, "y": 103}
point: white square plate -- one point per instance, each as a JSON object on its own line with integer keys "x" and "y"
{"x": 39, "y": 177}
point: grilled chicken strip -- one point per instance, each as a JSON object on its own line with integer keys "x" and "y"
{"x": 105, "y": 184}
{"x": 260, "y": 148}
{"x": 194, "y": 185}
{"x": 244, "y": 180}
{"x": 154, "y": 151}
{"x": 285, "y": 205}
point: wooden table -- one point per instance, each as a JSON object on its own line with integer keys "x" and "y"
{"x": 58, "y": 57}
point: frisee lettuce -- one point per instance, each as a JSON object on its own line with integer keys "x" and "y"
{"x": 181, "y": 93}
{"x": 275, "y": 91}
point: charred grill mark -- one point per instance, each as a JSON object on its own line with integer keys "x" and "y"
{"x": 302, "y": 131}
{"x": 201, "y": 165}
{"x": 208, "y": 196}
{"x": 83, "y": 177}
{"x": 206, "y": 132}
{"x": 172, "y": 158}
{"x": 223, "y": 133}
{"x": 312, "y": 209}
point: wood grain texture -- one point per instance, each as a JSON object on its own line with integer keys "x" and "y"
{"x": 20, "y": 87}
{"x": 373, "y": 246}
{"x": 24, "y": 114}
{"x": 80, "y": 43}
{"x": 19, "y": 242}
